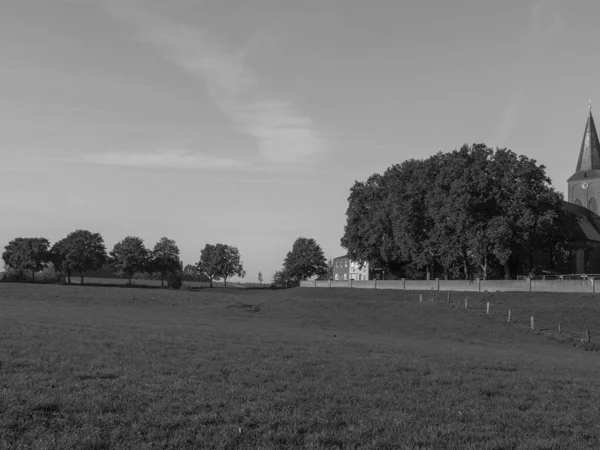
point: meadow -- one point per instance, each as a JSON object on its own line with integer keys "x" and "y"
{"x": 117, "y": 368}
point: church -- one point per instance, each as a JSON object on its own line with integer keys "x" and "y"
{"x": 581, "y": 210}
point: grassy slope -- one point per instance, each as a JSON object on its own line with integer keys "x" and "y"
{"x": 96, "y": 368}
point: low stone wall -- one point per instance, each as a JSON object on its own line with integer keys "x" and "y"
{"x": 504, "y": 285}
{"x": 363, "y": 284}
{"x": 589, "y": 286}
{"x": 459, "y": 285}
{"x": 390, "y": 284}
{"x": 562, "y": 286}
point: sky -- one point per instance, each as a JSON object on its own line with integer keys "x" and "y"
{"x": 247, "y": 122}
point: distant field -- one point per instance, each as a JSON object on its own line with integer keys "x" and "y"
{"x": 156, "y": 283}
{"x": 98, "y": 368}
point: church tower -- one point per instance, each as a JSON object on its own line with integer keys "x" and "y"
{"x": 584, "y": 185}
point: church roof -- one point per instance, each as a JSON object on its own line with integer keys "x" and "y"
{"x": 580, "y": 223}
{"x": 589, "y": 155}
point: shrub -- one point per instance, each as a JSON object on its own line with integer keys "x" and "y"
{"x": 174, "y": 280}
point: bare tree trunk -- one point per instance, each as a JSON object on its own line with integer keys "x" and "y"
{"x": 211, "y": 278}
{"x": 485, "y": 267}
{"x": 32, "y": 276}
{"x": 81, "y": 275}
{"x": 506, "y": 271}
{"x": 224, "y": 281}
{"x": 162, "y": 280}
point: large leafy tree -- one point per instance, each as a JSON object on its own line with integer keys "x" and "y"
{"x": 469, "y": 212}
{"x": 220, "y": 261}
{"x": 165, "y": 258}
{"x": 27, "y": 254}
{"x": 79, "y": 252}
{"x": 130, "y": 256}
{"x": 305, "y": 260}
{"x": 209, "y": 263}
{"x": 58, "y": 257}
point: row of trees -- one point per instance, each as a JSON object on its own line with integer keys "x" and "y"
{"x": 475, "y": 211}
{"x": 82, "y": 251}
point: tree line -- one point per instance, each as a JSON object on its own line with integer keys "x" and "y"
{"x": 472, "y": 212}
{"x": 82, "y": 251}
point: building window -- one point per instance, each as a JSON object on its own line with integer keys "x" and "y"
{"x": 337, "y": 264}
{"x": 345, "y": 276}
{"x": 578, "y": 202}
{"x": 592, "y": 205}
{"x": 337, "y": 277}
{"x": 346, "y": 263}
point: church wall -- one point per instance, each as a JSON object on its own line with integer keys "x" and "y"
{"x": 585, "y": 196}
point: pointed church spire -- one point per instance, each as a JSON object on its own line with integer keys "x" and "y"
{"x": 589, "y": 155}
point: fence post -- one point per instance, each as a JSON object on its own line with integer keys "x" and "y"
{"x": 420, "y": 298}
{"x": 529, "y": 284}
{"x": 467, "y": 303}
{"x": 559, "y": 330}
{"x": 437, "y": 284}
{"x": 532, "y": 326}
{"x": 315, "y": 283}
{"x": 508, "y": 316}
{"x": 487, "y": 308}
{"x": 448, "y": 299}
{"x": 375, "y": 283}
{"x": 403, "y": 284}
{"x": 351, "y": 282}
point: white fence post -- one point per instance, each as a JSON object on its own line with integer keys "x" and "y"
{"x": 532, "y": 326}
{"x": 508, "y": 316}
{"x": 487, "y": 308}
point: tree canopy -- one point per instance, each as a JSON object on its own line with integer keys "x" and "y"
{"x": 471, "y": 212}
{"x": 220, "y": 261}
{"x": 27, "y": 254}
{"x": 165, "y": 258}
{"x": 79, "y": 252}
{"x": 305, "y": 260}
{"x": 130, "y": 256}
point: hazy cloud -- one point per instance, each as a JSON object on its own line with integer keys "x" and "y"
{"x": 282, "y": 134}
{"x": 546, "y": 22}
{"x": 508, "y": 122}
{"x": 176, "y": 159}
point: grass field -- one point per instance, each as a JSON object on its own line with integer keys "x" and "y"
{"x": 102, "y": 368}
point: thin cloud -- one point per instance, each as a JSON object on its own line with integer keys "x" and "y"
{"x": 282, "y": 134}
{"x": 546, "y": 22}
{"x": 173, "y": 159}
{"x": 508, "y": 122}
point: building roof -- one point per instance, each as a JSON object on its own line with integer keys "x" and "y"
{"x": 581, "y": 223}
{"x": 589, "y": 155}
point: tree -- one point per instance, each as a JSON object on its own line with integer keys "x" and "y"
{"x": 473, "y": 211}
{"x": 130, "y": 256}
{"x": 305, "y": 260}
{"x": 208, "y": 263}
{"x": 220, "y": 261}
{"x": 260, "y": 277}
{"x": 23, "y": 254}
{"x": 192, "y": 273}
{"x": 58, "y": 257}
{"x": 165, "y": 258}
{"x": 282, "y": 279}
{"x": 80, "y": 252}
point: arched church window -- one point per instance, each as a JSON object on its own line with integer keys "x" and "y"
{"x": 578, "y": 202}
{"x": 593, "y": 205}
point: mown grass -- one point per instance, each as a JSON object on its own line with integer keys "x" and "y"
{"x": 99, "y": 368}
